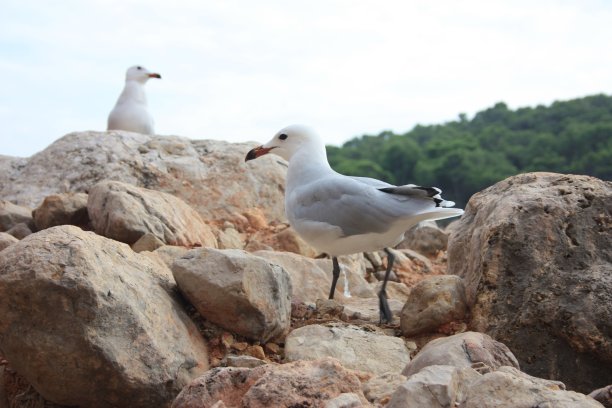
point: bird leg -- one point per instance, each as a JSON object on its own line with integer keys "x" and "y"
{"x": 335, "y": 275}
{"x": 385, "y": 311}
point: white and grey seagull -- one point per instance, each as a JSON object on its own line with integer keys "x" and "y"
{"x": 130, "y": 112}
{"x": 341, "y": 215}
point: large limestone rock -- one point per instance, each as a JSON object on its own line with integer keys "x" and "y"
{"x": 354, "y": 347}
{"x": 86, "y": 322}
{"x": 511, "y": 388}
{"x": 534, "y": 251}
{"x": 125, "y": 213}
{"x": 309, "y": 282}
{"x": 211, "y": 176}
{"x": 298, "y": 384}
{"x": 12, "y": 214}
{"x": 433, "y": 302}
{"x": 462, "y": 350}
{"x": 240, "y": 292}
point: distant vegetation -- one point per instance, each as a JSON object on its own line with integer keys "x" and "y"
{"x": 465, "y": 156}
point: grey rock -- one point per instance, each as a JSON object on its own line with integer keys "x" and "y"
{"x": 462, "y": 350}
{"x": 345, "y": 400}
{"x": 125, "y": 213}
{"x": 86, "y": 322}
{"x": 534, "y": 252}
{"x": 211, "y": 176}
{"x": 20, "y": 231}
{"x": 12, "y": 214}
{"x": 354, "y": 347}
{"x": 242, "y": 293}
{"x": 381, "y": 387}
{"x": 433, "y": 302}
{"x": 6, "y": 240}
{"x": 603, "y": 396}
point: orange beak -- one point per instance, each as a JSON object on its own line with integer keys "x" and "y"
{"x": 256, "y": 152}
{"x": 155, "y": 76}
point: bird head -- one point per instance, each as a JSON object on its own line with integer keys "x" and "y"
{"x": 140, "y": 74}
{"x": 287, "y": 141}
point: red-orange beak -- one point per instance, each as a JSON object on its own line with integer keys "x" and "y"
{"x": 155, "y": 76}
{"x": 256, "y": 152}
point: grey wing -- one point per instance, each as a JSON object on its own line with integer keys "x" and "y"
{"x": 352, "y": 205}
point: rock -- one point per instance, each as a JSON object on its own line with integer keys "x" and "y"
{"x": 354, "y": 347}
{"x": 229, "y": 238}
{"x": 378, "y": 390}
{"x": 62, "y": 209}
{"x": 211, "y": 176}
{"x": 462, "y": 350}
{"x": 6, "y": 240}
{"x": 86, "y": 322}
{"x": 170, "y": 253}
{"x": 367, "y": 309}
{"x": 534, "y": 251}
{"x": 125, "y": 213}
{"x": 12, "y": 214}
{"x": 510, "y": 388}
{"x": 433, "y": 302}
{"x": 243, "y": 361}
{"x": 425, "y": 238}
{"x": 298, "y": 384}
{"x": 288, "y": 240}
{"x": 20, "y": 231}
{"x": 346, "y": 400}
{"x": 603, "y": 396}
{"x": 148, "y": 242}
{"x": 308, "y": 280}
{"x": 237, "y": 291}
{"x": 430, "y": 387}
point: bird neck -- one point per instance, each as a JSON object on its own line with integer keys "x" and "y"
{"x": 308, "y": 164}
{"x": 133, "y": 91}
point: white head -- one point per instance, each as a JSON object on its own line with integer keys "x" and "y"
{"x": 140, "y": 74}
{"x": 287, "y": 141}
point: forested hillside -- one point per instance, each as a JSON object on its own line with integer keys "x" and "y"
{"x": 465, "y": 156}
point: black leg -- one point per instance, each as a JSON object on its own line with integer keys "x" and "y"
{"x": 336, "y": 274}
{"x": 385, "y": 311}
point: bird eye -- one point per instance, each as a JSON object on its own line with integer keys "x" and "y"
{"x": 282, "y": 136}
{"x": 138, "y": 67}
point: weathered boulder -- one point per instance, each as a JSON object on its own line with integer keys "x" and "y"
{"x": 308, "y": 280}
{"x": 510, "y": 388}
{"x": 433, "y": 387}
{"x": 426, "y": 238}
{"x": 211, "y": 176}
{"x": 298, "y": 384}
{"x": 12, "y": 214}
{"x": 353, "y": 346}
{"x": 378, "y": 390}
{"x": 603, "y": 396}
{"x": 86, "y": 322}
{"x": 433, "y": 302}
{"x": 462, "y": 350}
{"x": 534, "y": 251}
{"x": 6, "y": 240}
{"x": 125, "y": 213}
{"x": 240, "y": 292}
{"x": 62, "y": 209}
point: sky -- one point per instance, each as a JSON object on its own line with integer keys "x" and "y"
{"x": 241, "y": 70}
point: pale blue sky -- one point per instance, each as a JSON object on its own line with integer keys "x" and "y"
{"x": 240, "y": 70}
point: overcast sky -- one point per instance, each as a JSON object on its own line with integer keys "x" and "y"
{"x": 241, "y": 70}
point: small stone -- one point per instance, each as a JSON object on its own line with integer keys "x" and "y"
{"x": 329, "y": 307}
{"x": 256, "y": 351}
{"x": 272, "y": 348}
{"x": 20, "y": 231}
{"x": 240, "y": 346}
{"x": 243, "y": 361}
{"x": 227, "y": 339}
{"x": 148, "y": 242}
{"x": 6, "y": 240}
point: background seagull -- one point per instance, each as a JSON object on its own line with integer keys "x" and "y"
{"x": 341, "y": 215}
{"x": 130, "y": 111}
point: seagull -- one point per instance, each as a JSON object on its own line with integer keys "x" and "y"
{"x": 341, "y": 215}
{"x": 130, "y": 112}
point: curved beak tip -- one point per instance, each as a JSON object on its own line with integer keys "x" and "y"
{"x": 256, "y": 152}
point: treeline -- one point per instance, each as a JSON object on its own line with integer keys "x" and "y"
{"x": 465, "y": 156}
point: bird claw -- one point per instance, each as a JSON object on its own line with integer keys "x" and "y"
{"x": 385, "y": 312}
